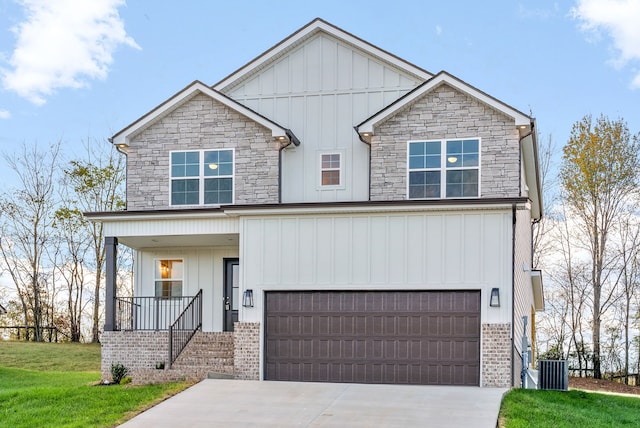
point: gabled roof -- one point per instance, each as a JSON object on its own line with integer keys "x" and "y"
{"x": 121, "y": 138}
{"x": 309, "y": 30}
{"x": 439, "y": 79}
{"x": 523, "y": 122}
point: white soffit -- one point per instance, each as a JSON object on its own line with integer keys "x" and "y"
{"x": 520, "y": 119}
{"x": 313, "y": 27}
{"x": 538, "y": 291}
{"x": 182, "y": 97}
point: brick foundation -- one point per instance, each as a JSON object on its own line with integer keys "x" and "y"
{"x": 139, "y": 351}
{"x": 496, "y": 355}
{"x": 142, "y": 351}
{"x": 247, "y": 350}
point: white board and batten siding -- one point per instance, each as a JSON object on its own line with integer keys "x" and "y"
{"x": 203, "y": 270}
{"x": 416, "y": 251}
{"x": 320, "y": 90}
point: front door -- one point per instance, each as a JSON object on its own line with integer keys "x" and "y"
{"x": 231, "y": 293}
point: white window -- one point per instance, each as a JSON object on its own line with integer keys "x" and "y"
{"x": 169, "y": 275}
{"x": 330, "y": 169}
{"x": 444, "y": 169}
{"x": 202, "y": 177}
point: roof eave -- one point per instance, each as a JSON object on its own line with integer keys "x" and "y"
{"x": 121, "y": 138}
{"x": 368, "y": 126}
{"x": 532, "y": 171}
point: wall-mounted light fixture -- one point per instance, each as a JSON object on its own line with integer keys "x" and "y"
{"x": 247, "y": 298}
{"x": 494, "y": 300}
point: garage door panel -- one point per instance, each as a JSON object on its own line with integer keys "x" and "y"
{"x": 373, "y": 337}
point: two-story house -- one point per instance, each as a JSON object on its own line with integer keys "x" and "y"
{"x": 328, "y": 212}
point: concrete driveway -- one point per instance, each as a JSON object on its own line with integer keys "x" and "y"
{"x": 241, "y": 403}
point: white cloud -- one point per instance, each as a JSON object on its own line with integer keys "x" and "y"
{"x": 438, "y": 30}
{"x": 538, "y": 13}
{"x": 63, "y": 44}
{"x": 5, "y": 114}
{"x": 620, "y": 20}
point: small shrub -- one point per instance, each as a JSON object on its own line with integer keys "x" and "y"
{"x": 118, "y": 372}
{"x": 126, "y": 380}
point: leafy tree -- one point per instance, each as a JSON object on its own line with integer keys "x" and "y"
{"x": 97, "y": 183}
{"x": 599, "y": 176}
{"x": 73, "y": 243}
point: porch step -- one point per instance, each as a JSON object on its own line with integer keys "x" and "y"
{"x": 216, "y": 375}
{"x": 207, "y": 353}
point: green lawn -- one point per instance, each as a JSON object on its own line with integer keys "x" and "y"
{"x": 52, "y": 385}
{"x": 571, "y": 409}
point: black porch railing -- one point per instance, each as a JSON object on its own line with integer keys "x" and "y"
{"x": 185, "y": 326}
{"x": 149, "y": 313}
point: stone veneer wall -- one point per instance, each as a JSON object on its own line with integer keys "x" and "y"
{"x": 247, "y": 350}
{"x": 496, "y": 355}
{"x": 200, "y": 124}
{"x": 446, "y": 113}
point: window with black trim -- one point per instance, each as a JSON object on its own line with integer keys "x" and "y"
{"x": 444, "y": 169}
{"x": 203, "y": 177}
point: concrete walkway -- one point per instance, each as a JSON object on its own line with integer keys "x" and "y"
{"x": 242, "y": 403}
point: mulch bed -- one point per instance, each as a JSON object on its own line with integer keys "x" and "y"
{"x": 602, "y": 385}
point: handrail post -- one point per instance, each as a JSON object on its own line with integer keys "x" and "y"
{"x": 157, "y": 313}
{"x": 170, "y": 345}
{"x": 186, "y": 325}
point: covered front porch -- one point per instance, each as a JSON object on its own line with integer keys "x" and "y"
{"x": 180, "y": 320}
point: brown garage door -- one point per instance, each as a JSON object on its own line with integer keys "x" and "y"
{"x": 403, "y": 337}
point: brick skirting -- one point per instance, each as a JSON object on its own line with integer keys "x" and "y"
{"x": 247, "y": 350}
{"x": 141, "y": 351}
{"x": 145, "y": 354}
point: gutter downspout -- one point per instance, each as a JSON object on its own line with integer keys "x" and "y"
{"x": 292, "y": 139}
{"x": 126, "y": 171}
{"x": 368, "y": 144}
{"x": 280, "y": 171}
{"x": 513, "y": 290}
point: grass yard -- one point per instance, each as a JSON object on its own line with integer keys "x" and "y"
{"x": 52, "y": 385}
{"x": 555, "y": 409}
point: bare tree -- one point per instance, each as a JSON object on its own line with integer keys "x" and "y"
{"x": 629, "y": 241}
{"x": 25, "y": 228}
{"x": 542, "y": 243}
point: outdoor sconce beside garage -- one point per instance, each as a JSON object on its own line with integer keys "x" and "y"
{"x": 247, "y": 298}
{"x": 494, "y": 300}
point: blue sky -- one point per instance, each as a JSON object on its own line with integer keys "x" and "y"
{"x": 78, "y": 70}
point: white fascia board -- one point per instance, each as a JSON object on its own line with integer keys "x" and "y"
{"x": 370, "y": 209}
{"x": 312, "y": 28}
{"x": 178, "y": 215}
{"x": 531, "y": 173}
{"x": 183, "y": 96}
{"x": 520, "y": 119}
